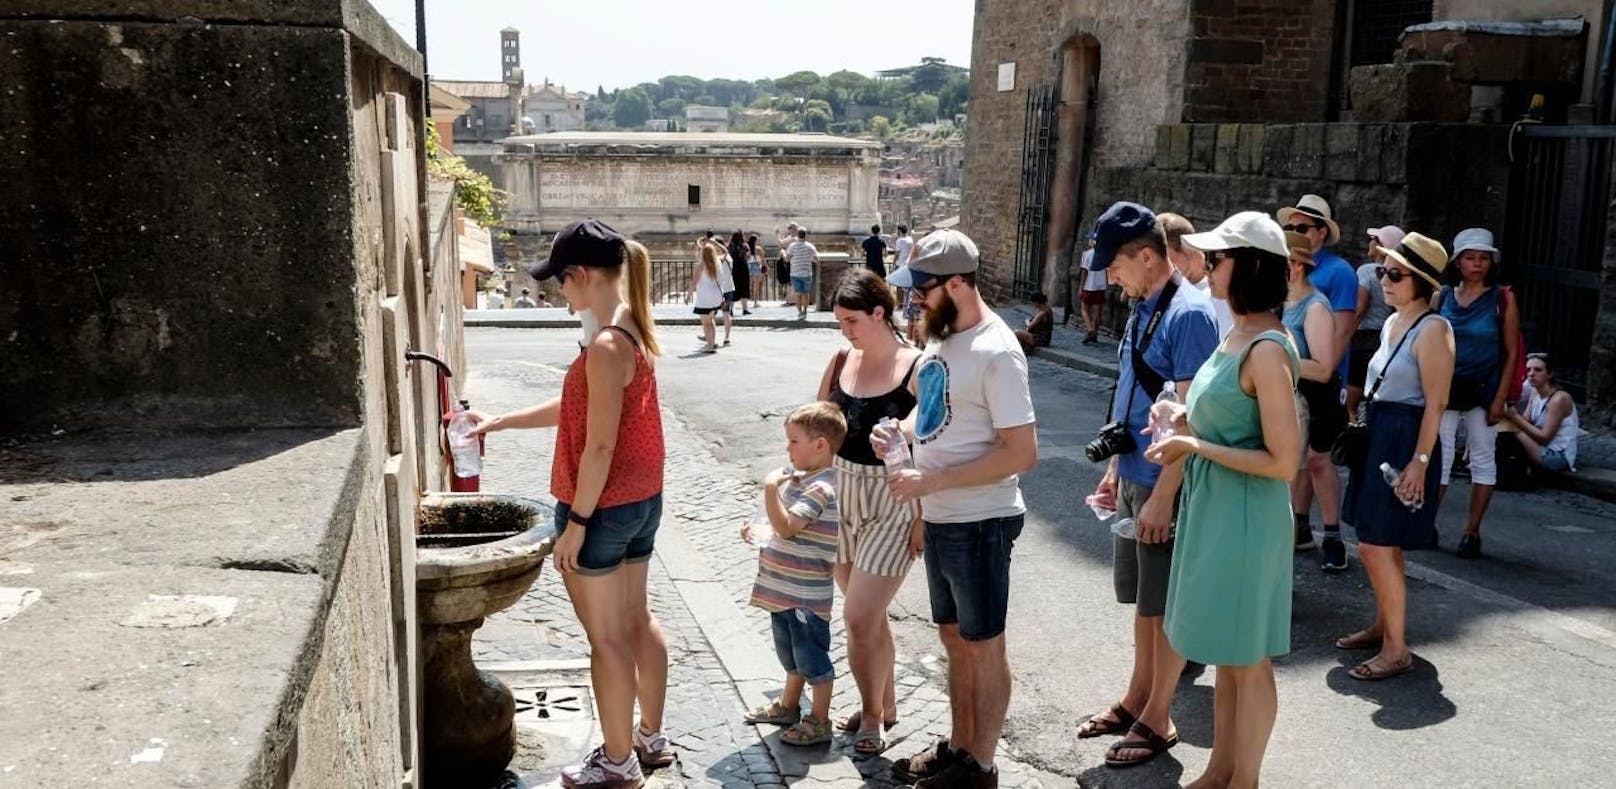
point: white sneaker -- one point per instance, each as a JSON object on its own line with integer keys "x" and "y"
{"x": 598, "y": 772}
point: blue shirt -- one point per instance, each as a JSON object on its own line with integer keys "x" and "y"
{"x": 1335, "y": 278}
{"x": 1477, "y": 338}
{"x": 1185, "y": 338}
{"x": 1295, "y": 319}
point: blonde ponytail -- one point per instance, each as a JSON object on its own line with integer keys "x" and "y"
{"x": 638, "y": 262}
{"x": 709, "y": 261}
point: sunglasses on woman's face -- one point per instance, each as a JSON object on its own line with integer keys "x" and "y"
{"x": 1395, "y": 276}
{"x": 1214, "y": 258}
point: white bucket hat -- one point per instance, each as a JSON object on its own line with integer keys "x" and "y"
{"x": 1479, "y": 239}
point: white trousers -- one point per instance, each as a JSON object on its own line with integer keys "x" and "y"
{"x": 1480, "y": 437}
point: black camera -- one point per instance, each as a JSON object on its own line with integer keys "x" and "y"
{"x": 1113, "y": 439}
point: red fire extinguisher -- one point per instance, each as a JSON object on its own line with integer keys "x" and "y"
{"x": 447, "y": 410}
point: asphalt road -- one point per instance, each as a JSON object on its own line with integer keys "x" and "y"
{"x": 1516, "y": 684}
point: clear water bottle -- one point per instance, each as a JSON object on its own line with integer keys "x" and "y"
{"x": 465, "y": 447}
{"x": 760, "y": 530}
{"x": 1390, "y": 475}
{"x": 897, "y": 455}
{"x": 1161, "y": 428}
{"x": 1101, "y": 510}
{"x": 1126, "y": 528}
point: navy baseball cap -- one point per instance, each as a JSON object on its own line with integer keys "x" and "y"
{"x": 1121, "y": 223}
{"x": 586, "y": 242}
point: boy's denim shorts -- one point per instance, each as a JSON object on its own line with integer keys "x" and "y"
{"x": 968, "y": 574}
{"x": 625, "y": 533}
{"x": 799, "y": 284}
{"x": 802, "y": 642}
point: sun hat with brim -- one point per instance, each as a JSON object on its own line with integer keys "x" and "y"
{"x": 1301, "y": 247}
{"x": 1121, "y": 223}
{"x": 1479, "y": 239}
{"x": 586, "y": 242}
{"x": 1252, "y": 229}
{"x": 1388, "y": 236}
{"x": 1422, "y": 255}
{"x": 1315, "y": 208}
{"x": 942, "y": 253}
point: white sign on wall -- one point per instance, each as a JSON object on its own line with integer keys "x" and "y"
{"x": 1007, "y": 76}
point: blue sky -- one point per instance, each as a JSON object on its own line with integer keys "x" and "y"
{"x": 618, "y": 43}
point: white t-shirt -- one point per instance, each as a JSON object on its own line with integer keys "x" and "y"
{"x": 970, "y": 386}
{"x": 1092, "y": 280}
{"x": 906, "y": 246}
{"x": 1219, "y": 307}
{"x": 494, "y": 301}
{"x": 707, "y": 293}
{"x": 726, "y": 274}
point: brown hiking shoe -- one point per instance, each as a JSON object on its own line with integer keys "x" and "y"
{"x": 925, "y": 764}
{"x": 964, "y": 773}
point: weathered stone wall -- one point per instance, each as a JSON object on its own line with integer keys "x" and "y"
{"x": 1142, "y": 49}
{"x": 1525, "y": 10}
{"x": 1259, "y": 61}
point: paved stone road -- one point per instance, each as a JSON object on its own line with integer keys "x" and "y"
{"x": 720, "y": 651}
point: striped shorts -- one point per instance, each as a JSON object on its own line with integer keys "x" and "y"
{"x": 875, "y": 528}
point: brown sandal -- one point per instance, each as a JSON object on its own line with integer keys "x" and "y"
{"x": 1368, "y": 672}
{"x": 851, "y": 724}
{"x": 1362, "y": 639}
{"x": 1150, "y": 741}
{"x": 1121, "y": 719}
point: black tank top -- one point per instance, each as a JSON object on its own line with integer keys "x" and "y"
{"x": 862, "y": 413}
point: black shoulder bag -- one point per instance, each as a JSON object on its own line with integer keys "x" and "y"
{"x": 1352, "y": 446}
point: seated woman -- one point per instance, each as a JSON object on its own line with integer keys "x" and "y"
{"x": 1040, "y": 327}
{"x": 1546, "y": 419}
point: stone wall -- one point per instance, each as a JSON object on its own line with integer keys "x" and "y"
{"x": 272, "y": 149}
{"x": 1524, "y": 10}
{"x": 1259, "y": 61}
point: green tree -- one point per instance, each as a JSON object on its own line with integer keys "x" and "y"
{"x": 881, "y": 127}
{"x": 633, "y": 109}
{"x": 798, "y": 84}
{"x": 671, "y": 108}
{"x": 929, "y": 76}
{"x": 951, "y": 99}
{"x": 474, "y": 192}
{"x": 816, "y": 115}
{"x": 922, "y": 108}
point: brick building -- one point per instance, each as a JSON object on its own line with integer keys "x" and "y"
{"x": 1207, "y": 107}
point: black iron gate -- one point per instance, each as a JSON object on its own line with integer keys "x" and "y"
{"x": 1554, "y": 240}
{"x": 1032, "y": 219}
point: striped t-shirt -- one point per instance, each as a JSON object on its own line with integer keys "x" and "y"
{"x": 796, "y": 573}
{"x": 801, "y": 255}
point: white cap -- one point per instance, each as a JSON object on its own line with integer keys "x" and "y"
{"x": 1252, "y": 229}
{"x": 1476, "y": 238}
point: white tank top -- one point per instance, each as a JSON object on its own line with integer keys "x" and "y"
{"x": 1565, "y": 439}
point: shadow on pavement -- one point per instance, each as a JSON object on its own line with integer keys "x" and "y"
{"x": 1411, "y": 701}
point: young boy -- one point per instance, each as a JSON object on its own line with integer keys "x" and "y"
{"x": 795, "y": 567}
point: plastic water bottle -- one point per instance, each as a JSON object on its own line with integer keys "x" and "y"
{"x": 1161, "y": 428}
{"x": 760, "y": 530}
{"x": 1101, "y": 511}
{"x": 1390, "y": 475}
{"x": 897, "y": 455}
{"x": 465, "y": 447}
{"x": 1127, "y": 529}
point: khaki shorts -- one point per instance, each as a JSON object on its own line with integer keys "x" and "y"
{"x": 875, "y": 528}
{"x": 1139, "y": 571}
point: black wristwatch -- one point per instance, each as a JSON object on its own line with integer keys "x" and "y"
{"x": 574, "y": 517}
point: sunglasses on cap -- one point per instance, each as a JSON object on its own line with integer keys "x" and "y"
{"x": 1393, "y": 275}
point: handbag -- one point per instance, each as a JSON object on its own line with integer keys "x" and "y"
{"x": 1351, "y": 447}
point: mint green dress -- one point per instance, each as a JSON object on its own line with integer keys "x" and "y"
{"x": 1229, "y": 595}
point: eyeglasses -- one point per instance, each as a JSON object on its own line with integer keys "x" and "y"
{"x": 1395, "y": 276}
{"x": 1298, "y": 227}
{"x": 926, "y": 289}
{"x": 1214, "y": 258}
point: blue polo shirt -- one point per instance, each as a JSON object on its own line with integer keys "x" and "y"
{"x": 1185, "y": 338}
{"x": 1335, "y": 278}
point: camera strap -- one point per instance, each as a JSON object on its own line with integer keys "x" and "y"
{"x": 1143, "y": 374}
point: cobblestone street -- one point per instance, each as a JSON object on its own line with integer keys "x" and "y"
{"x": 720, "y": 651}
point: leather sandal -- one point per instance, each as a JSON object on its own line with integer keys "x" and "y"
{"x": 852, "y": 723}
{"x": 1374, "y": 669}
{"x": 1149, "y": 741}
{"x": 1121, "y": 719}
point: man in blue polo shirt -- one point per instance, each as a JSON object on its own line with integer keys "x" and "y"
{"x": 1175, "y": 328}
{"x": 1336, "y": 279}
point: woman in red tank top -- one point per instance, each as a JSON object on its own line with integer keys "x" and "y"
{"x": 607, "y": 481}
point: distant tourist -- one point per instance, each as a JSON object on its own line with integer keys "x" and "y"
{"x": 875, "y": 252}
{"x": 795, "y": 568}
{"x": 803, "y": 256}
{"x": 1372, "y": 314}
{"x": 1546, "y": 423}
{"x": 903, "y": 245}
{"x": 1191, "y": 262}
{"x": 495, "y": 299}
{"x": 740, "y": 269}
{"x": 1091, "y": 294}
{"x": 782, "y": 269}
{"x": 708, "y": 296}
{"x": 609, "y": 495}
{"x": 543, "y": 301}
{"x": 756, "y": 268}
{"x": 726, "y": 286}
{"x": 525, "y": 301}
{"x": 1307, "y": 316}
{"x": 1040, "y": 329}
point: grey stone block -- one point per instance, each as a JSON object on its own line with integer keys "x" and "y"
{"x": 1203, "y": 146}
{"x": 1179, "y": 148}
{"x": 1394, "y": 153}
{"x": 1395, "y": 92}
{"x": 1228, "y": 144}
{"x": 1164, "y": 146}
{"x": 1307, "y": 151}
{"x": 1252, "y": 139}
{"x": 1277, "y": 150}
{"x": 1370, "y": 139}
{"x": 1341, "y": 152}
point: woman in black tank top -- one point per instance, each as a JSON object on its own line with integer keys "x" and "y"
{"x": 879, "y": 537}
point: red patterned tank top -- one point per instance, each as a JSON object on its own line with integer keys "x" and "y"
{"x": 636, "y": 470}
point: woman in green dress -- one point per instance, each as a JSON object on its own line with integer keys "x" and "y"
{"x": 1229, "y": 595}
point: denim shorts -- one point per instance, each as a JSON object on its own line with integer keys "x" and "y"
{"x": 1555, "y": 460}
{"x": 799, "y": 284}
{"x": 968, "y": 574}
{"x": 802, "y": 642}
{"x": 625, "y": 533}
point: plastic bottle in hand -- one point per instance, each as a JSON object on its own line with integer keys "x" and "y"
{"x": 1390, "y": 475}
{"x": 1161, "y": 426}
{"x": 760, "y": 530}
{"x": 897, "y": 455}
{"x": 1127, "y": 529}
{"x": 465, "y": 447}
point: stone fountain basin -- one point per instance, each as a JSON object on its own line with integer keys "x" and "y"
{"x": 489, "y": 570}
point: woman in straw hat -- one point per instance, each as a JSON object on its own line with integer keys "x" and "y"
{"x": 1229, "y": 592}
{"x": 1408, "y": 391}
{"x": 1311, "y": 323}
{"x": 1486, "y": 327}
